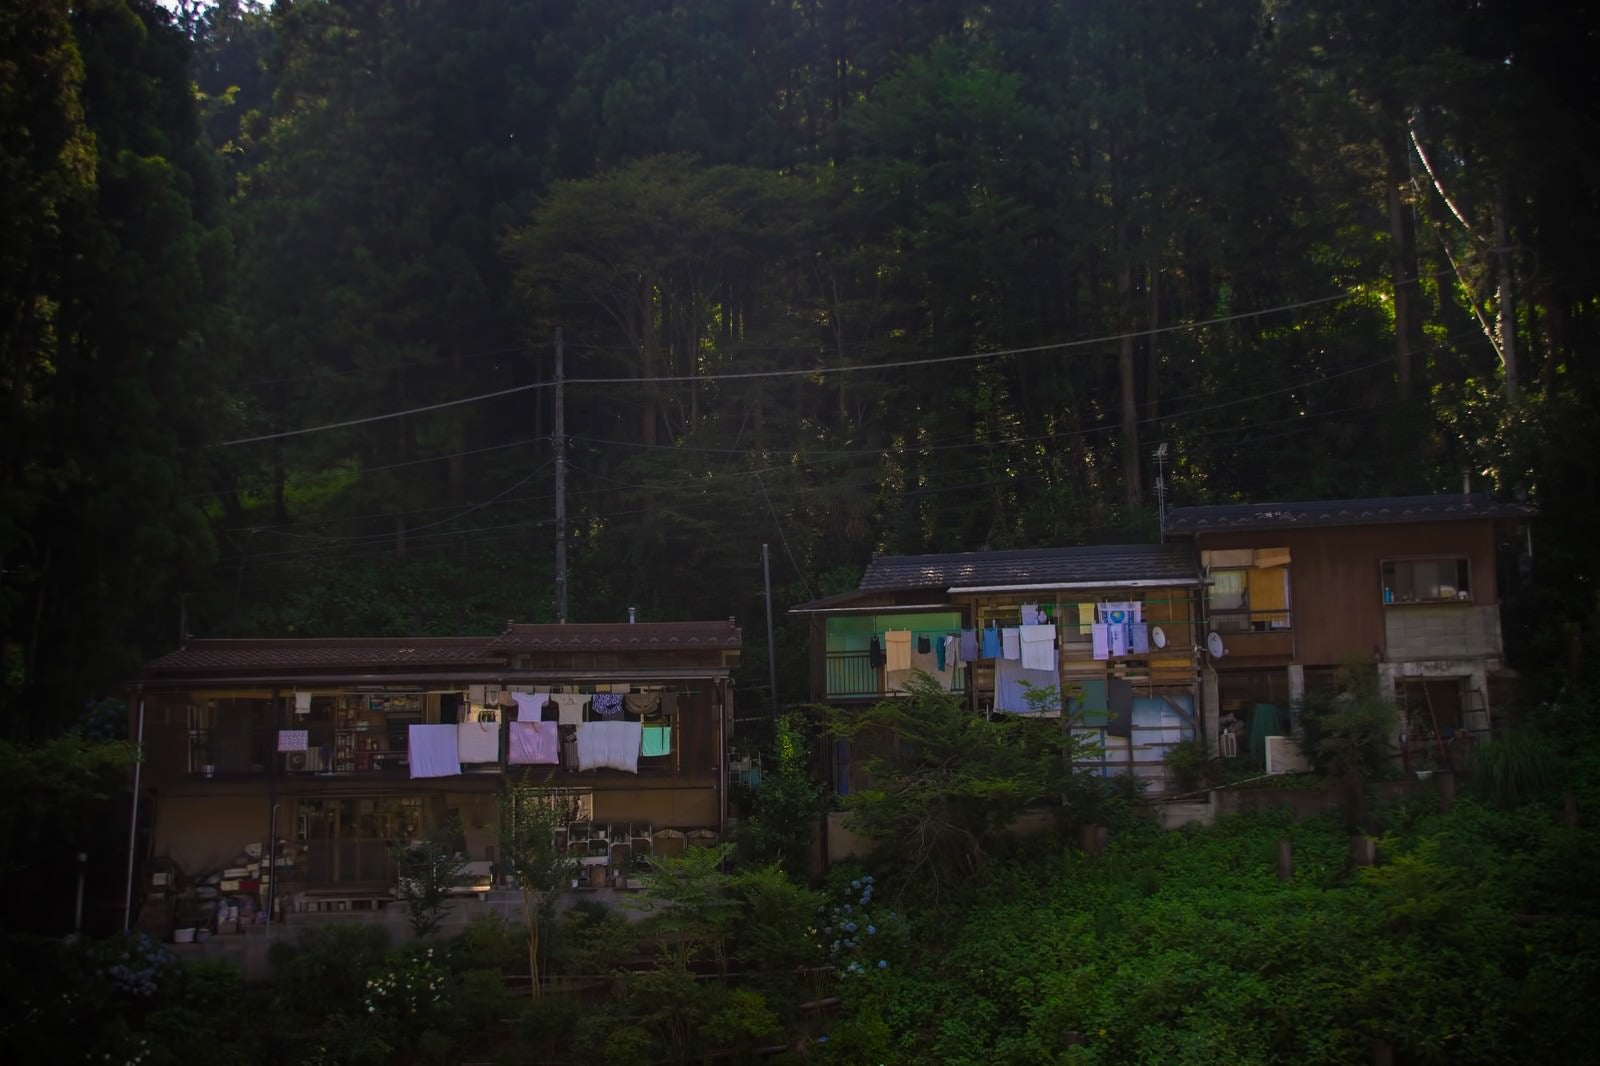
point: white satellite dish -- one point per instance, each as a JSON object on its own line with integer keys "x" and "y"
{"x": 1214, "y": 643}
{"x": 1158, "y": 636}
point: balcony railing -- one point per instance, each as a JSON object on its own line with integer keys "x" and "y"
{"x": 1250, "y": 621}
{"x": 851, "y": 675}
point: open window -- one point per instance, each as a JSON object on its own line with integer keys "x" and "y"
{"x": 1426, "y": 580}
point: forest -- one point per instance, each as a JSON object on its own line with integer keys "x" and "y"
{"x": 284, "y": 286}
{"x": 289, "y": 290}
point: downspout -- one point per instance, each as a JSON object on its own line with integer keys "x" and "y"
{"x": 270, "y": 852}
{"x": 722, "y": 758}
{"x": 133, "y": 819}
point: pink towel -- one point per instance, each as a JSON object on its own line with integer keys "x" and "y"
{"x": 535, "y": 743}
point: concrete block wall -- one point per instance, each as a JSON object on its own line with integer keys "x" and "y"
{"x": 1445, "y": 631}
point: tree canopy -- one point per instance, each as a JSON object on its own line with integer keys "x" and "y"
{"x": 833, "y": 277}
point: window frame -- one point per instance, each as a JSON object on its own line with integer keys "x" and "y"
{"x": 1388, "y": 584}
{"x": 1243, "y": 616}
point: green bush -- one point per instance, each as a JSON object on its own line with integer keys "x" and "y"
{"x": 1346, "y": 731}
{"x": 326, "y": 967}
{"x": 1190, "y": 763}
{"x": 1514, "y": 768}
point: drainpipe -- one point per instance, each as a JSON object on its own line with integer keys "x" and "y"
{"x": 133, "y": 819}
{"x": 270, "y": 852}
{"x": 722, "y": 758}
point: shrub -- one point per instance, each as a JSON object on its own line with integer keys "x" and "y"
{"x": 1346, "y": 731}
{"x": 326, "y": 966}
{"x": 1514, "y": 768}
{"x": 1190, "y": 763}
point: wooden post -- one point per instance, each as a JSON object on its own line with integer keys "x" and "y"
{"x": 1285, "y": 859}
{"x": 1363, "y": 851}
{"x": 1382, "y": 1053}
{"x": 1445, "y": 782}
{"x": 1569, "y": 809}
{"x": 1094, "y": 839}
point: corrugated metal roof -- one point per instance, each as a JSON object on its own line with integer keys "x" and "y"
{"x": 1108, "y": 564}
{"x": 227, "y": 656}
{"x": 1380, "y": 510}
{"x": 619, "y": 636}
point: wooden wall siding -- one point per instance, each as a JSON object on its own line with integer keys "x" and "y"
{"x": 1443, "y": 631}
{"x": 1334, "y": 583}
{"x": 166, "y": 736}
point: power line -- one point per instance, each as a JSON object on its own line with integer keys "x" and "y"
{"x": 900, "y": 364}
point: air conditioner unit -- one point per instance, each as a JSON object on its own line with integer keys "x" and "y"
{"x": 310, "y": 761}
{"x": 1285, "y": 757}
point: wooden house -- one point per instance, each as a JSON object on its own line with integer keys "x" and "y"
{"x": 1138, "y": 695}
{"x": 1295, "y": 590}
{"x": 341, "y": 748}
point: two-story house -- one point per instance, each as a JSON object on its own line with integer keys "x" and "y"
{"x": 341, "y": 748}
{"x": 1295, "y": 590}
{"x": 1113, "y": 631}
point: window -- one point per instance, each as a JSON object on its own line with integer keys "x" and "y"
{"x": 1425, "y": 580}
{"x": 1246, "y": 600}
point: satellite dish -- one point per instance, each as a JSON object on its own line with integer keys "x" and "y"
{"x": 1214, "y": 643}
{"x": 1158, "y": 637}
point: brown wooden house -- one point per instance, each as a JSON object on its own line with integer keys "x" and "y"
{"x": 1138, "y": 697}
{"x": 1295, "y": 590}
{"x": 319, "y": 739}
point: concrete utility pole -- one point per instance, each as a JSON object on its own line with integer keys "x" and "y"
{"x": 772, "y": 654}
{"x": 560, "y": 425}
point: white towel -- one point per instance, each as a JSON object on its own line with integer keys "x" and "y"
{"x": 610, "y": 745}
{"x": 1100, "y": 637}
{"x": 478, "y": 742}
{"x": 535, "y": 743}
{"x": 1119, "y": 639}
{"x": 432, "y": 751}
{"x": 1010, "y": 643}
{"x": 530, "y": 705}
{"x": 1038, "y": 647}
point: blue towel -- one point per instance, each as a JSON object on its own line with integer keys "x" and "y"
{"x": 991, "y": 644}
{"x": 606, "y": 705}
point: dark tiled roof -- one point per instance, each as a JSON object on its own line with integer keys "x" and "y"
{"x": 618, "y": 636}
{"x": 374, "y": 653}
{"x": 865, "y": 601}
{"x": 1321, "y": 513}
{"x": 1108, "y": 564}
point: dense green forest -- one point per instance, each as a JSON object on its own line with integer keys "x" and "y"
{"x": 282, "y": 287}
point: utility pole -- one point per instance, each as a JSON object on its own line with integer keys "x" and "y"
{"x": 560, "y": 425}
{"x": 772, "y": 653}
{"x": 1161, "y": 491}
